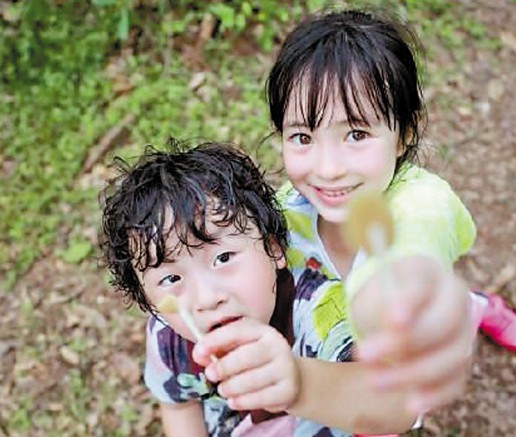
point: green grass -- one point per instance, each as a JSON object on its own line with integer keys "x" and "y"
{"x": 65, "y": 101}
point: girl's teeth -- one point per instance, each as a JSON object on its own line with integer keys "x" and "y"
{"x": 338, "y": 193}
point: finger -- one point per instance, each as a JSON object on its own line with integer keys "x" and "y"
{"x": 227, "y": 338}
{"x": 413, "y": 281}
{"x": 244, "y": 358}
{"x": 446, "y": 319}
{"x": 250, "y": 380}
{"x": 266, "y": 399}
{"x": 432, "y": 396}
{"x": 430, "y": 369}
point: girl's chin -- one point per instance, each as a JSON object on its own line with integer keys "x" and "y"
{"x": 337, "y": 217}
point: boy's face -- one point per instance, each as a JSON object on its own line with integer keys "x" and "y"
{"x": 218, "y": 283}
{"x": 329, "y": 164}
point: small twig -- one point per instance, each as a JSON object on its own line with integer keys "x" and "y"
{"x": 98, "y": 151}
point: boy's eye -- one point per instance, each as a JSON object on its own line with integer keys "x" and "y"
{"x": 169, "y": 280}
{"x": 223, "y": 258}
{"x": 356, "y": 135}
{"x": 300, "y": 139}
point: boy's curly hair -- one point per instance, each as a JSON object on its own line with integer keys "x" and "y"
{"x": 206, "y": 181}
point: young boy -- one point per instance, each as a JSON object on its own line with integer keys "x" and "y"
{"x": 203, "y": 226}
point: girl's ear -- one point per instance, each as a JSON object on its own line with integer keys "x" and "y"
{"x": 402, "y": 142}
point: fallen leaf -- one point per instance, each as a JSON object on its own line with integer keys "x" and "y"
{"x": 69, "y": 356}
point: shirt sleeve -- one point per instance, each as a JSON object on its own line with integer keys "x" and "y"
{"x": 170, "y": 374}
{"x": 157, "y": 373}
{"x": 430, "y": 220}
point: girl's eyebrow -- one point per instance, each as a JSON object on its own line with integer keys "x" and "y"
{"x": 295, "y": 124}
{"x": 342, "y": 122}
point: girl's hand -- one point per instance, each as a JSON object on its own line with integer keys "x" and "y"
{"x": 419, "y": 336}
{"x": 255, "y": 368}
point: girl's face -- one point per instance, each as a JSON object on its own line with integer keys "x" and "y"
{"x": 218, "y": 283}
{"x": 329, "y": 164}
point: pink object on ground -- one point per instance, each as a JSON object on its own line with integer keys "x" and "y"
{"x": 499, "y": 322}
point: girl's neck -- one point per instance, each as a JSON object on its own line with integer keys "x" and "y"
{"x": 333, "y": 237}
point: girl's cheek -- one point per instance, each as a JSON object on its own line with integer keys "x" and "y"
{"x": 295, "y": 166}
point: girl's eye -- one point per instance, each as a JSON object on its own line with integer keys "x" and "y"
{"x": 169, "y": 280}
{"x": 223, "y": 258}
{"x": 356, "y": 135}
{"x": 300, "y": 139}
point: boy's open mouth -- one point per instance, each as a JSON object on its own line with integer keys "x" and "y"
{"x": 224, "y": 322}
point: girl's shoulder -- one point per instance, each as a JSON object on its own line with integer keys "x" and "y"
{"x": 415, "y": 185}
{"x": 284, "y": 192}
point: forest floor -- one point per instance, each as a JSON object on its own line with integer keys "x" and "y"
{"x": 71, "y": 354}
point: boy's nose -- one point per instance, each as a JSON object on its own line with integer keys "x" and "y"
{"x": 208, "y": 296}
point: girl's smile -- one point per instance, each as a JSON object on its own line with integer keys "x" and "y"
{"x": 334, "y": 196}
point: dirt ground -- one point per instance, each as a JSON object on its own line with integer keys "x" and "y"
{"x": 71, "y": 356}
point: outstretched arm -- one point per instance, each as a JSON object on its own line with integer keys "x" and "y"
{"x": 340, "y": 395}
{"x": 257, "y": 370}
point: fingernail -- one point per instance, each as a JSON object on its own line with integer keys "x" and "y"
{"x": 211, "y": 373}
{"x": 200, "y": 349}
{"x": 418, "y": 404}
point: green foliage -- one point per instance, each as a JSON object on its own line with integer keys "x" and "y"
{"x": 21, "y": 419}
{"x": 59, "y": 97}
{"x": 76, "y": 251}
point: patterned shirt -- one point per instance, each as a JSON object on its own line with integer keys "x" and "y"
{"x": 429, "y": 220}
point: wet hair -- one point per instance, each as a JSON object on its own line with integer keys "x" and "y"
{"x": 370, "y": 60}
{"x": 177, "y": 191}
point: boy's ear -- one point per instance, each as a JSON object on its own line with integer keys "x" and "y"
{"x": 279, "y": 257}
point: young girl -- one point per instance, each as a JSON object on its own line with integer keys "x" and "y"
{"x": 344, "y": 95}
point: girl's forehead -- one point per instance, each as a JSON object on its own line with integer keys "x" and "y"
{"x": 329, "y": 103}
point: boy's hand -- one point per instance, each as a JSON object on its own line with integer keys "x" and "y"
{"x": 417, "y": 336}
{"x": 256, "y": 368}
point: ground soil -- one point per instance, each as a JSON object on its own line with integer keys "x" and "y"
{"x": 64, "y": 334}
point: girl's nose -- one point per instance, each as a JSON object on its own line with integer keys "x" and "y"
{"x": 328, "y": 161}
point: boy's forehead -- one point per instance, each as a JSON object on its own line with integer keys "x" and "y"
{"x": 178, "y": 238}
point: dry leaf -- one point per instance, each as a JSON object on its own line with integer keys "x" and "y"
{"x": 69, "y": 356}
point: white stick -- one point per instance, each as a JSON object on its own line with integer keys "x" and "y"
{"x": 189, "y": 321}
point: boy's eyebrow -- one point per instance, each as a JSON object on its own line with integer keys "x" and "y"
{"x": 150, "y": 268}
